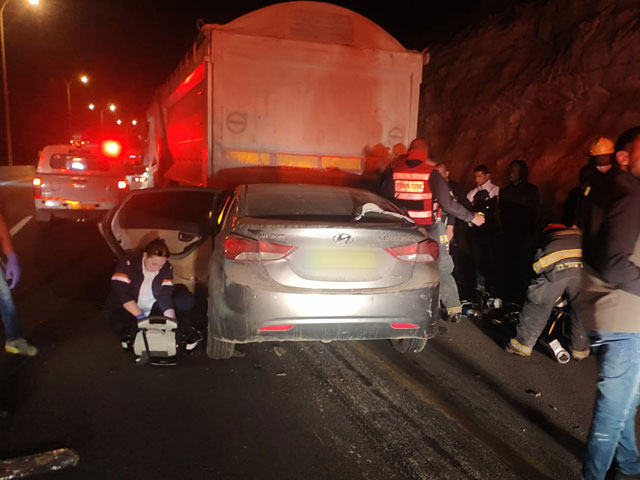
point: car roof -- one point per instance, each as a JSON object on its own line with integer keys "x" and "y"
{"x": 299, "y": 188}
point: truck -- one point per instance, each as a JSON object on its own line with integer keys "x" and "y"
{"x": 314, "y": 91}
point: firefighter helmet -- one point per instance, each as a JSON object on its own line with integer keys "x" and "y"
{"x": 602, "y": 146}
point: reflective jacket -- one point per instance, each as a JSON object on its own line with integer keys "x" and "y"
{"x": 560, "y": 255}
{"x": 411, "y": 190}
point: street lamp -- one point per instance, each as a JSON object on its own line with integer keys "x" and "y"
{"x": 119, "y": 122}
{"x": 84, "y": 80}
{"x": 112, "y": 107}
{"x": 92, "y": 107}
{"x": 7, "y": 114}
{"x": 134, "y": 122}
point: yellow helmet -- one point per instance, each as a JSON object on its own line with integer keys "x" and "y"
{"x": 602, "y": 146}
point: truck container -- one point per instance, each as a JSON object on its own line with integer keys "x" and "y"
{"x": 309, "y": 89}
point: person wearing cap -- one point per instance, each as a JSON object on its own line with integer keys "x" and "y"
{"x": 415, "y": 184}
{"x": 610, "y": 306}
{"x": 142, "y": 286}
{"x": 557, "y": 267}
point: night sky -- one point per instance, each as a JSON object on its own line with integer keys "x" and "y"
{"x": 128, "y": 47}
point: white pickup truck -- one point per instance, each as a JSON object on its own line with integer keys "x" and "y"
{"x": 79, "y": 181}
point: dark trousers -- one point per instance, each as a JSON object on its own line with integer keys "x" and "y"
{"x": 126, "y": 325}
{"x": 482, "y": 242}
{"x": 449, "y": 296}
{"x": 542, "y": 296}
{"x": 518, "y": 250}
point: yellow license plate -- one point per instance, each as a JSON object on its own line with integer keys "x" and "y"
{"x": 81, "y": 206}
{"x": 342, "y": 260}
{"x": 408, "y": 186}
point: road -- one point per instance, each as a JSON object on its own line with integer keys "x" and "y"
{"x": 462, "y": 409}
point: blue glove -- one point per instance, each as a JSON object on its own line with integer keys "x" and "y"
{"x": 140, "y": 316}
{"x": 12, "y": 270}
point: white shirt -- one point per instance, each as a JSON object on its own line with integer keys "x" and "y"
{"x": 489, "y": 186}
{"x": 145, "y": 296}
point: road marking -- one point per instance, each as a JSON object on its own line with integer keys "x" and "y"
{"x": 18, "y": 226}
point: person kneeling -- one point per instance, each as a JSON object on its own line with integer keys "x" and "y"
{"x": 142, "y": 286}
{"x": 558, "y": 269}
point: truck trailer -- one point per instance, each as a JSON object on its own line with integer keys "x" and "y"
{"x": 293, "y": 91}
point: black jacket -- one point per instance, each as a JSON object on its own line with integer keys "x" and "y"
{"x": 519, "y": 204}
{"x": 127, "y": 279}
{"x": 612, "y": 230}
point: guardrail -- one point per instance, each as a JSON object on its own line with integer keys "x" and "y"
{"x": 18, "y": 172}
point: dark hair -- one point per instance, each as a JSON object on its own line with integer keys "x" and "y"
{"x": 158, "y": 248}
{"x": 626, "y": 139}
{"x": 483, "y": 169}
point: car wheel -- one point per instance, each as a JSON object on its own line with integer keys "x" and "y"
{"x": 409, "y": 345}
{"x": 218, "y": 349}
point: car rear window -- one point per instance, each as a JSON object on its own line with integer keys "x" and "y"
{"x": 186, "y": 211}
{"x": 314, "y": 203}
{"x": 79, "y": 163}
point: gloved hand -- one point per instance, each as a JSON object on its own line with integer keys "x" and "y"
{"x": 140, "y": 316}
{"x": 12, "y": 270}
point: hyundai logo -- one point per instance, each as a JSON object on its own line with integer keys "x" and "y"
{"x": 343, "y": 238}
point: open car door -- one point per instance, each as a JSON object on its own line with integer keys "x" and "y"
{"x": 184, "y": 217}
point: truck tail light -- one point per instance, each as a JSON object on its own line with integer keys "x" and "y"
{"x": 249, "y": 250}
{"x": 37, "y": 187}
{"x": 424, "y": 252}
{"x": 111, "y": 148}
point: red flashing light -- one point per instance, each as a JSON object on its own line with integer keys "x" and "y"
{"x": 275, "y": 328}
{"x": 111, "y": 148}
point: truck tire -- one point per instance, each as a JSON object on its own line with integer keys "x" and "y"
{"x": 218, "y": 349}
{"x": 409, "y": 345}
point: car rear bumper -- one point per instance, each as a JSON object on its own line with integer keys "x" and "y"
{"x": 64, "y": 209}
{"x": 243, "y": 314}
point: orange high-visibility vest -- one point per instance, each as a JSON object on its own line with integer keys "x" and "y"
{"x": 410, "y": 186}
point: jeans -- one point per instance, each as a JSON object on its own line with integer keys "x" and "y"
{"x": 613, "y": 427}
{"x": 8, "y": 310}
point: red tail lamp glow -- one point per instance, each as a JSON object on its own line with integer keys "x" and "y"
{"x": 111, "y": 148}
{"x": 122, "y": 184}
{"x": 37, "y": 187}
{"x": 404, "y": 326}
{"x": 37, "y": 182}
{"x": 275, "y": 328}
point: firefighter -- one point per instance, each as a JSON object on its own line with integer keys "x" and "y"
{"x": 414, "y": 183}
{"x": 558, "y": 269}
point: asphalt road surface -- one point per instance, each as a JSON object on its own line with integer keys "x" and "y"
{"x": 462, "y": 409}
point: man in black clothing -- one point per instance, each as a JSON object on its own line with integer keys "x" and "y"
{"x": 518, "y": 214}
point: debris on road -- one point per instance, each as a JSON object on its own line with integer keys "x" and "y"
{"x": 553, "y": 407}
{"x": 239, "y": 354}
{"x": 534, "y": 393}
{"x": 281, "y": 374}
{"x": 278, "y": 350}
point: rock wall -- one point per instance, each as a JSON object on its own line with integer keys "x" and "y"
{"x": 539, "y": 82}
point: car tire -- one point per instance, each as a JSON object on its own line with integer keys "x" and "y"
{"x": 409, "y": 345}
{"x": 218, "y": 349}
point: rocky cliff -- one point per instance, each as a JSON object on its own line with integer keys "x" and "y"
{"x": 539, "y": 82}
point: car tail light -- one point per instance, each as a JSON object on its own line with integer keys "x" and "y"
{"x": 423, "y": 252}
{"x": 404, "y": 326}
{"x": 122, "y": 185}
{"x": 37, "y": 187}
{"x": 249, "y": 250}
{"x": 276, "y": 328}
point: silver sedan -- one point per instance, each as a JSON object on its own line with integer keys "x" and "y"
{"x": 316, "y": 262}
